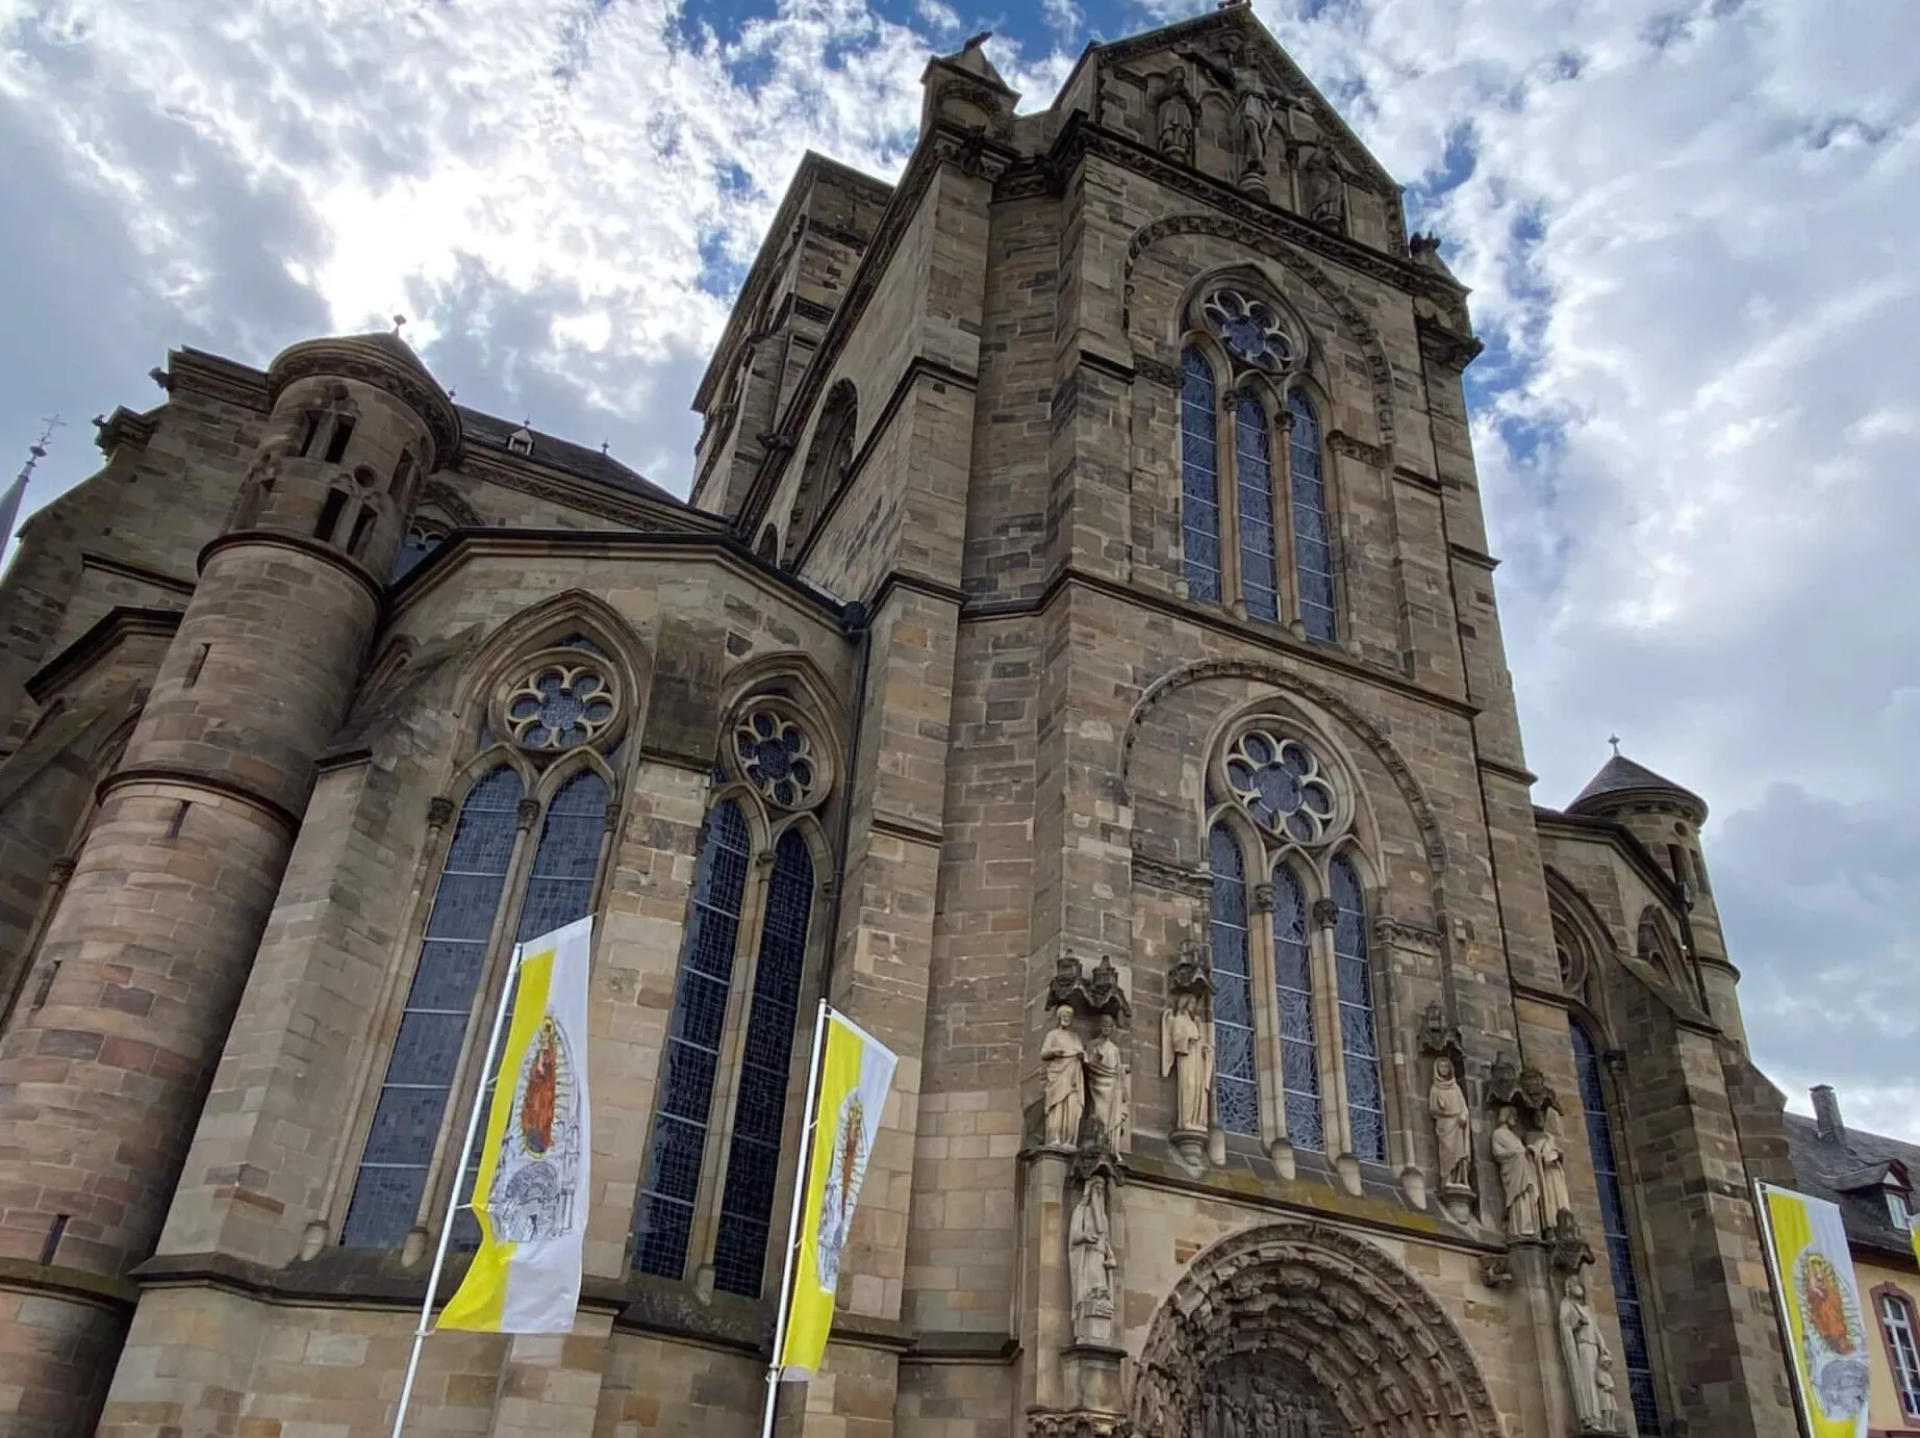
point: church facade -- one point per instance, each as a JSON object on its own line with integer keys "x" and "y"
{"x": 1077, "y": 662}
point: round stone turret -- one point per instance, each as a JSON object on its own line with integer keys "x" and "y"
{"x": 143, "y": 963}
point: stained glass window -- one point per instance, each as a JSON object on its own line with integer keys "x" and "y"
{"x": 1199, "y": 477}
{"x": 753, "y": 1159}
{"x": 1293, "y": 978}
{"x": 559, "y": 890}
{"x": 1312, "y": 538}
{"x": 1282, "y": 783}
{"x": 1253, "y": 468}
{"x": 663, "y": 1219}
{"x": 1236, "y": 1094}
{"x": 433, "y": 1024}
{"x": 1366, "y": 1099}
{"x": 1249, "y": 328}
{"x": 1638, "y": 1358}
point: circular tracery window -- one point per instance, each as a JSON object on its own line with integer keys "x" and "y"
{"x": 777, "y": 758}
{"x": 1282, "y": 784}
{"x": 1249, "y": 328}
{"x": 561, "y": 706}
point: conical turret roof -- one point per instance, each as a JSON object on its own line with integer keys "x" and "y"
{"x": 1621, "y": 775}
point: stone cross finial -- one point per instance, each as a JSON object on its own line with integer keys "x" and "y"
{"x": 1614, "y": 739}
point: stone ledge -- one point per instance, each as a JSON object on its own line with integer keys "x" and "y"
{"x": 957, "y": 1347}
{"x": 50, "y": 1280}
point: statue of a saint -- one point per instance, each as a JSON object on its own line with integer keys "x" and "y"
{"x": 1064, "y": 1059}
{"x": 1586, "y": 1356}
{"x": 1175, "y": 120}
{"x": 1186, "y": 1053}
{"x": 1091, "y": 1263}
{"x": 1550, "y": 1170}
{"x": 1323, "y": 188}
{"x": 1609, "y": 1400}
{"x": 1452, "y": 1127}
{"x": 1519, "y": 1187}
{"x": 1106, "y": 1083}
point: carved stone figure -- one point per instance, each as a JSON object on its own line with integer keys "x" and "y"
{"x": 1323, "y": 189}
{"x": 1585, "y": 1352}
{"x": 1604, "y": 1391}
{"x": 1519, "y": 1186}
{"x": 1107, "y": 1083}
{"x": 1176, "y": 118}
{"x": 1452, "y": 1128}
{"x": 1550, "y": 1170}
{"x": 1186, "y": 1053}
{"x": 1064, "y": 1059}
{"x": 1091, "y": 1263}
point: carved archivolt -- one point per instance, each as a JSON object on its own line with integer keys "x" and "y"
{"x": 1251, "y": 237}
{"x": 1318, "y": 1326}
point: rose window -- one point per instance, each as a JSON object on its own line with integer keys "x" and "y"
{"x": 1282, "y": 784}
{"x": 777, "y": 758}
{"x": 1249, "y": 328}
{"x": 561, "y": 706}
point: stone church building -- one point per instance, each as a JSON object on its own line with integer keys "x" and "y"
{"x": 1078, "y": 661}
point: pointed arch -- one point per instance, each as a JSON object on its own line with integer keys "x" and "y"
{"x": 1371, "y": 1337}
{"x": 546, "y": 624}
{"x": 829, "y": 459}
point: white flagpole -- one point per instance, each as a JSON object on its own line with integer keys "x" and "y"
{"x": 793, "y": 1222}
{"x": 453, "y": 1192}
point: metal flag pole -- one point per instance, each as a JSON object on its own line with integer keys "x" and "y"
{"x": 453, "y": 1192}
{"x": 793, "y": 1221}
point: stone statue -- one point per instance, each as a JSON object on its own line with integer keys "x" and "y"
{"x": 1106, "y": 1083}
{"x": 1586, "y": 1355}
{"x": 1064, "y": 1059}
{"x": 1255, "y": 107}
{"x": 1604, "y": 1392}
{"x": 1323, "y": 189}
{"x": 1550, "y": 1170}
{"x": 1091, "y": 1263}
{"x": 1176, "y": 118}
{"x": 1452, "y": 1128}
{"x": 1519, "y": 1187}
{"x": 1186, "y": 1053}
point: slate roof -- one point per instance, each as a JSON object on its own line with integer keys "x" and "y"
{"x": 1619, "y": 775}
{"x": 561, "y": 454}
{"x": 1850, "y": 1174}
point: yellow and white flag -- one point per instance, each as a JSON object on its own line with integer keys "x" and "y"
{"x": 855, "y": 1072}
{"x": 1820, "y": 1300}
{"x": 531, "y": 1193}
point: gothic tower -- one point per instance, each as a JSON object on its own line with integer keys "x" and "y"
{"x": 107, "y": 1062}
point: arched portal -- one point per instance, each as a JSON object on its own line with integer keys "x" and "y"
{"x": 1298, "y": 1330}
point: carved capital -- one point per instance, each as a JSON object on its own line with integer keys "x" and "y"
{"x": 1154, "y": 372}
{"x": 612, "y": 816}
{"x": 1326, "y": 913}
{"x": 1496, "y": 1271}
{"x": 527, "y": 814}
{"x": 1345, "y": 444}
{"x": 1263, "y": 898}
{"x": 439, "y": 811}
{"x": 60, "y": 871}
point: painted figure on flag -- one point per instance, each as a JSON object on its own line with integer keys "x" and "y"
{"x": 849, "y": 1155}
{"x": 1832, "y": 1334}
{"x": 538, "y": 1176}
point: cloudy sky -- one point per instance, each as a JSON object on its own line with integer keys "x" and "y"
{"x": 1686, "y": 223}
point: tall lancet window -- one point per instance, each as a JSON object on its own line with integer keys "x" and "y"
{"x": 1637, "y": 1360}
{"x": 708, "y": 1187}
{"x": 1199, "y": 477}
{"x": 1253, "y": 468}
{"x": 1293, "y": 984}
{"x": 1236, "y": 1091}
{"x": 1366, "y": 1098}
{"x": 1312, "y": 538}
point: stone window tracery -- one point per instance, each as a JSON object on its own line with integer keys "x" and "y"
{"x": 422, "y": 538}
{"x": 1281, "y": 783}
{"x": 1249, "y": 328}
{"x": 1637, "y": 1357}
{"x": 723, "y": 1086}
{"x": 558, "y": 706}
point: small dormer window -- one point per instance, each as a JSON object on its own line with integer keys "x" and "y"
{"x": 520, "y": 441}
{"x": 1897, "y": 1209}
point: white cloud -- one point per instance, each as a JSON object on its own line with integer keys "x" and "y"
{"x": 1687, "y": 223}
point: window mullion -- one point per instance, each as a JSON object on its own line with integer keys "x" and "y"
{"x": 1226, "y": 450}
{"x": 466, "y": 1075}
{"x": 1266, "y": 1026}
{"x": 726, "y": 1079}
{"x": 1335, "y": 1121}
{"x": 1285, "y": 561}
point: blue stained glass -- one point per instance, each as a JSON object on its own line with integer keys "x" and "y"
{"x": 1236, "y": 1092}
{"x": 1253, "y": 466}
{"x": 1293, "y": 972}
{"x": 1199, "y": 478}
{"x": 1366, "y": 1108}
{"x": 1312, "y": 554}
{"x": 433, "y": 1023}
{"x": 753, "y": 1159}
{"x": 1637, "y": 1360}
{"x": 663, "y": 1219}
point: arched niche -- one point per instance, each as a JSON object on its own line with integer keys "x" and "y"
{"x": 1304, "y": 1331}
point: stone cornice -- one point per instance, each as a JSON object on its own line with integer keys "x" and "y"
{"x": 187, "y": 778}
{"x": 299, "y": 544}
{"x": 111, "y": 630}
{"x": 540, "y": 481}
{"x": 124, "y": 426}
{"x": 198, "y": 372}
{"x": 1507, "y": 771}
{"x": 74, "y": 1285}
